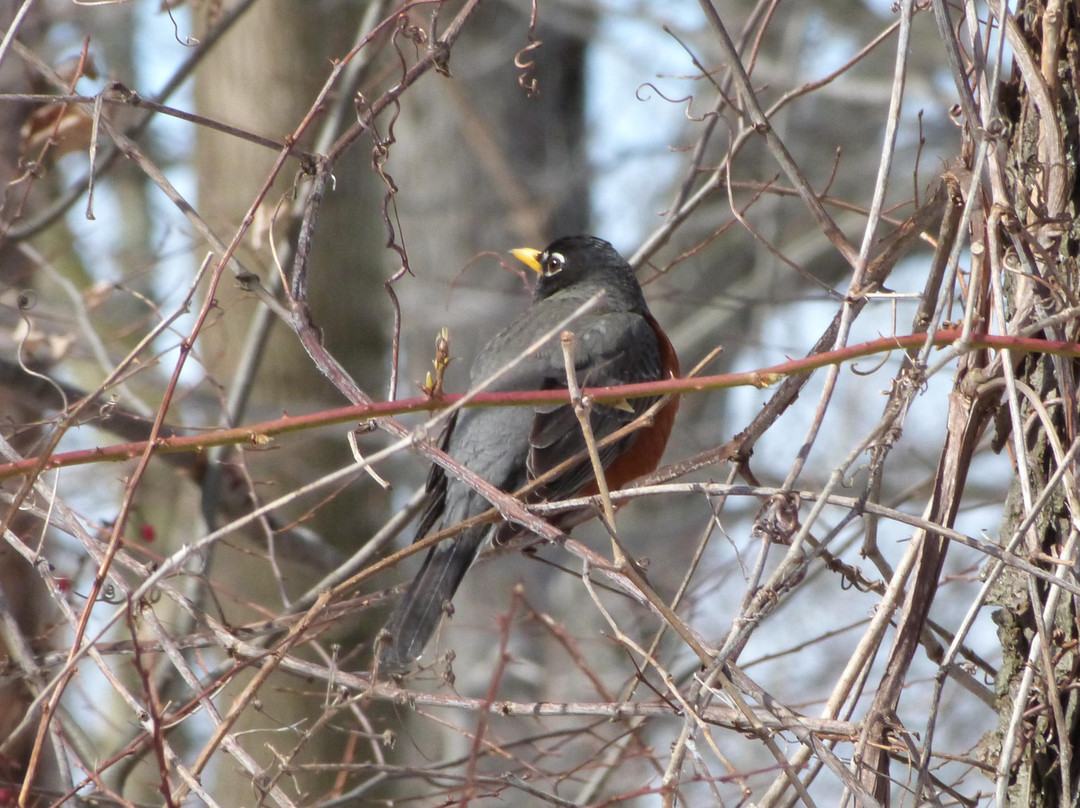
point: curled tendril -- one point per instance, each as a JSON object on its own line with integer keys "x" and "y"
{"x": 527, "y": 78}
{"x": 110, "y": 596}
{"x": 26, "y": 300}
{"x": 873, "y": 369}
{"x": 414, "y": 33}
{"x": 688, "y": 100}
{"x": 655, "y": 89}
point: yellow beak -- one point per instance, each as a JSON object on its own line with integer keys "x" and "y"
{"x": 530, "y": 258}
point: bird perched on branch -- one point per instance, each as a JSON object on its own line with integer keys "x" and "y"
{"x": 617, "y": 342}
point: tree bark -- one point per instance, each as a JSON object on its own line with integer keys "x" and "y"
{"x": 1035, "y": 745}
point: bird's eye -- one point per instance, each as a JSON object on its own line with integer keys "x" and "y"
{"x": 553, "y": 264}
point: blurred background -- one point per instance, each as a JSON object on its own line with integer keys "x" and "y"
{"x": 613, "y": 118}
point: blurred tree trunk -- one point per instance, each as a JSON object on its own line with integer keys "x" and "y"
{"x": 263, "y": 77}
{"x": 1038, "y": 736}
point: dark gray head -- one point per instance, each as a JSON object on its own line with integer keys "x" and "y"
{"x": 574, "y": 260}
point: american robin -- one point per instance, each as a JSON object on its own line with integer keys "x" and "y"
{"x": 618, "y": 342}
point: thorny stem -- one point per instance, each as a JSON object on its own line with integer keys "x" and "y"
{"x": 257, "y": 433}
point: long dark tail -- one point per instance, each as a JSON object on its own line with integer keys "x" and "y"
{"x": 419, "y": 612}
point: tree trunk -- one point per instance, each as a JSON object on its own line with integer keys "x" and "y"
{"x": 1035, "y": 746}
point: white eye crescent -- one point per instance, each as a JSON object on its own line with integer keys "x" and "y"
{"x": 553, "y": 263}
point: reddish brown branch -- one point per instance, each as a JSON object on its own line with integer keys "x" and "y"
{"x": 258, "y": 434}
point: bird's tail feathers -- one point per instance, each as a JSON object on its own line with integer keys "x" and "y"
{"x": 420, "y": 611}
